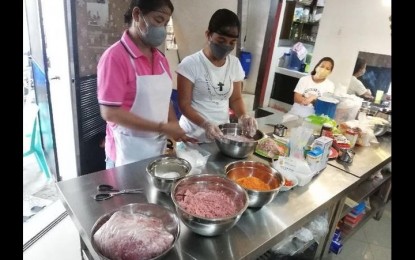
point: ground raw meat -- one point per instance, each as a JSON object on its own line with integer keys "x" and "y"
{"x": 238, "y": 138}
{"x": 207, "y": 204}
{"x": 270, "y": 147}
{"x": 129, "y": 236}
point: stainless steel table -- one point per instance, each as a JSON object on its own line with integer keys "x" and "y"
{"x": 368, "y": 160}
{"x": 255, "y": 233}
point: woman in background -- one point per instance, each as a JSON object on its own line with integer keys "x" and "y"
{"x": 209, "y": 82}
{"x": 356, "y": 87}
{"x": 312, "y": 86}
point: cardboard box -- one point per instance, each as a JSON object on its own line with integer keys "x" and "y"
{"x": 324, "y": 143}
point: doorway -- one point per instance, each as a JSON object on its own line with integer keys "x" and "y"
{"x": 46, "y": 85}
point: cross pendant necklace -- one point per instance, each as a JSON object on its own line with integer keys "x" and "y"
{"x": 220, "y": 84}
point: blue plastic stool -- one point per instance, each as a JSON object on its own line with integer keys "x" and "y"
{"x": 36, "y": 143}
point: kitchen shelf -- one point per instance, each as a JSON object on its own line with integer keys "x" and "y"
{"x": 365, "y": 189}
{"x": 299, "y": 27}
{"x": 376, "y": 204}
{"x": 291, "y": 73}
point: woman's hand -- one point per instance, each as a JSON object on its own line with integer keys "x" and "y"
{"x": 249, "y": 124}
{"x": 308, "y": 100}
{"x": 173, "y": 130}
{"x": 212, "y": 131}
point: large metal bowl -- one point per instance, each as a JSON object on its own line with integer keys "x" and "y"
{"x": 164, "y": 165}
{"x": 380, "y": 129}
{"x": 210, "y": 183}
{"x": 170, "y": 222}
{"x": 257, "y": 198}
{"x": 233, "y": 148}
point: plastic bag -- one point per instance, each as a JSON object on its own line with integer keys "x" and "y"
{"x": 300, "y": 50}
{"x": 294, "y": 243}
{"x": 193, "y": 153}
{"x": 319, "y": 227}
{"x": 314, "y": 230}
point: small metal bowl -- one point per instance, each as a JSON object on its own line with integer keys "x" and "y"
{"x": 164, "y": 165}
{"x": 257, "y": 198}
{"x": 233, "y": 148}
{"x": 170, "y": 222}
{"x": 209, "y": 183}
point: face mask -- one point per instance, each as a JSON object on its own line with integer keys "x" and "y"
{"x": 322, "y": 73}
{"x": 220, "y": 51}
{"x": 154, "y": 36}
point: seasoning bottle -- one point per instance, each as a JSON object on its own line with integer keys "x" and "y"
{"x": 351, "y": 135}
{"x": 327, "y": 130}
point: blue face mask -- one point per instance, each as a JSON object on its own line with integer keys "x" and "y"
{"x": 220, "y": 51}
{"x": 154, "y": 36}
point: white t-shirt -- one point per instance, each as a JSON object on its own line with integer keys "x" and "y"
{"x": 306, "y": 86}
{"x": 212, "y": 88}
{"x": 356, "y": 87}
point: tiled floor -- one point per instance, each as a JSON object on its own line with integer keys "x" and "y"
{"x": 39, "y": 199}
{"x": 372, "y": 242}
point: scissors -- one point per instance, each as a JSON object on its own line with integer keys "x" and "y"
{"x": 106, "y": 187}
{"x": 109, "y": 192}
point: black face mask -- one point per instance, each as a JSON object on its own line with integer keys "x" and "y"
{"x": 220, "y": 51}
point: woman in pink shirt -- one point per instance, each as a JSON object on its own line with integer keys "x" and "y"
{"x": 134, "y": 87}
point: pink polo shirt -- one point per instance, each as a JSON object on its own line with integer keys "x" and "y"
{"x": 117, "y": 78}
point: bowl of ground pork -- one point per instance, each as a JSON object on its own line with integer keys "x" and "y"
{"x": 209, "y": 204}
{"x": 235, "y": 143}
{"x": 144, "y": 231}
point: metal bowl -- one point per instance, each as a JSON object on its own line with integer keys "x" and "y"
{"x": 380, "y": 129}
{"x": 170, "y": 222}
{"x": 257, "y": 198}
{"x": 164, "y": 165}
{"x": 208, "y": 226}
{"x": 233, "y": 148}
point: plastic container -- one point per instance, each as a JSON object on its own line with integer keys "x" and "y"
{"x": 295, "y": 166}
{"x": 287, "y": 60}
{"x": 295, "y": 62}
{"x": 347, "y": 109}
{"x": 193, "y": 153}
{"x": 245, "y": 59}
{"x": 326, "y": 130}
{"x": 326, "y": 106}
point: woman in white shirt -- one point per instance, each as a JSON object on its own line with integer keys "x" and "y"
{"x": 312, "y": 86}
{"x": 209, "y": 82}
{"x": 356, "y": 87}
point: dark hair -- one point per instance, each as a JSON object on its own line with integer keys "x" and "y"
{"x": 221, "y": 20}
{"x": 318, "y": 64}
{"x": 360, "y": 63}
{"x": 146, "y": 6}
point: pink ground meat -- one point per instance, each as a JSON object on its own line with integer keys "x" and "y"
{"x": 132, "y": 236}
{"x": 207, "y": 204}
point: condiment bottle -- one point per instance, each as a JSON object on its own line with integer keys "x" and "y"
{"x": 327, "y": 130}
{"x": 351, "y": 135}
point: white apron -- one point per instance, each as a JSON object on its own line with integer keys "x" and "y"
{"x": 151, "y": 102}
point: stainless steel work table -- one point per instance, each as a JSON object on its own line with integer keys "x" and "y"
{"x": 255, "y": 233}
{"x": 368, "y": 159}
